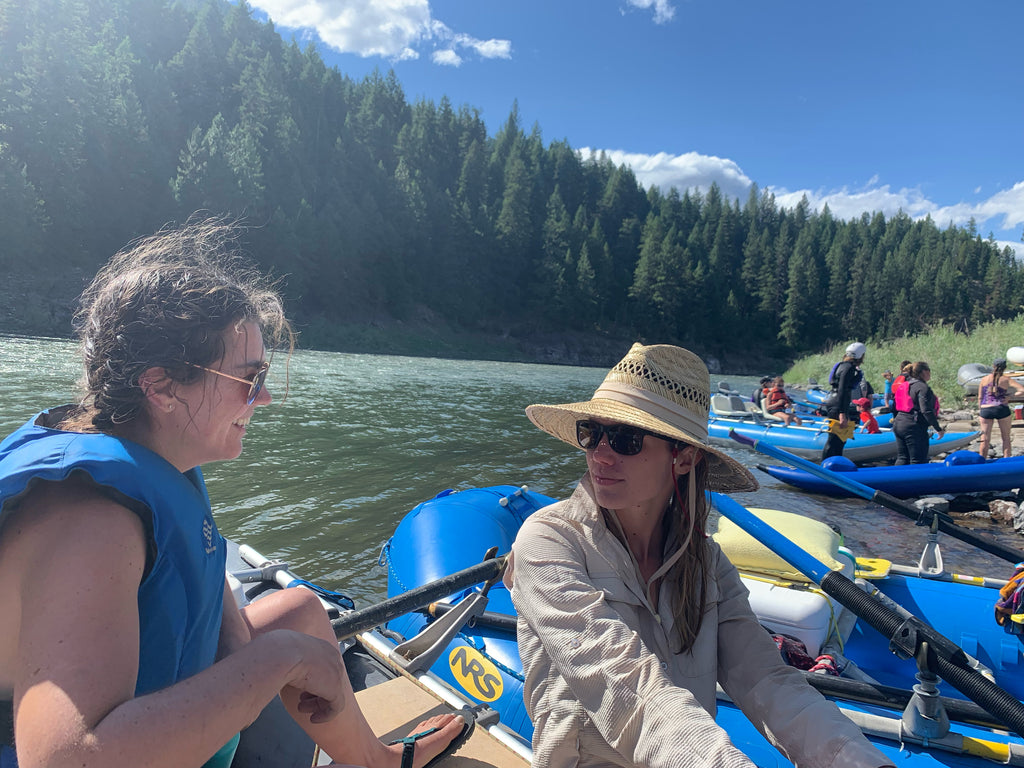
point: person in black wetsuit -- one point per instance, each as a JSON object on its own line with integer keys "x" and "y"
{"x": 761, "y": 390}
{"x": 844, "y": 378}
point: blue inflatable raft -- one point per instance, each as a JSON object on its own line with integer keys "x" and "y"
{"x": 454, "y": 530}
{"x": 960, "y": 472}
{"x": 808, "y": 441}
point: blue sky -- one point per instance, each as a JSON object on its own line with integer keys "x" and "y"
{"x": 869, "y": 106}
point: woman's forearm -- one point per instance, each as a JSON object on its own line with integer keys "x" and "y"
{"x": 185, "y": 724}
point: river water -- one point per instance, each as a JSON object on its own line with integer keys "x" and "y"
{"x": 328, "y": 472}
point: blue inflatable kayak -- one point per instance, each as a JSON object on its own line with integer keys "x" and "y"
{"x": 960, "y": 472}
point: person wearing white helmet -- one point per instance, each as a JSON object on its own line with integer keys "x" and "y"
{"x": 856, "y": 350}
{"x": 844, "y": 379}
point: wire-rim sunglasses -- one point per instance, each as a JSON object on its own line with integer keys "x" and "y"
{"x": 624, "y": 440}
{"x": 255, "y": 381}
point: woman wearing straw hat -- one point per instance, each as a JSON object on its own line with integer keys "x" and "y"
{"x": 629, "y": 614}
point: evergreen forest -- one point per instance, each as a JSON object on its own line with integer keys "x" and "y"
{"x": 119, "y": 116}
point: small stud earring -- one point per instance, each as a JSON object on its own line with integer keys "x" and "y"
{"x": 170, "y": 407}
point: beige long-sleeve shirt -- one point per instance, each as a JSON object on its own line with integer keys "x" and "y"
{"x": 603, "y": 686}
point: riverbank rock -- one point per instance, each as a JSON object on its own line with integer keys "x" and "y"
{"x": 1003, "y": 511}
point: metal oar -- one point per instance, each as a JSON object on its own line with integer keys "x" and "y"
{"x": 908, "y": 637}
{"x": 353, "y": 623}
{"x": 920, "y": 516}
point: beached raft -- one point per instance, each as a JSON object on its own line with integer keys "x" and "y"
{"x": 959, "y": 472}
{"x": 808, "y": 441}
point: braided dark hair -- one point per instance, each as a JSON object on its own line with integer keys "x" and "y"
{"x": 164, "y": 301}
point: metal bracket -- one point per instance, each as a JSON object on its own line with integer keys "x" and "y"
{"x": 421, "y": 651}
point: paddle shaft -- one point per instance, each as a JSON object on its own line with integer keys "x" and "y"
{"x": 351, "y": 624}
{"x": 502, "y": 621}
{"x": 945, "y": 523}
{"x": 905, "y": 634}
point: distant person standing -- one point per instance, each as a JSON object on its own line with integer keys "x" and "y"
{"x": 917, "y": 410}
{"x": 993, "y": 392}
{"x": 845, "y": 377}
{"x": 887, "y": 393}
{"x": 864, "y": 389}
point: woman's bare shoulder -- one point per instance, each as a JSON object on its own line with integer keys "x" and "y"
{"x": 73, "y": 515}
{"x": 57, "y": 541}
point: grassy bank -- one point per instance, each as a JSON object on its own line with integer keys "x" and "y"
{"x": 942, "y": 348}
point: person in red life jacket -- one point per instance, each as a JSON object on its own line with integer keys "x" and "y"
{"x": 780, "y": 404}
{"x": 898, "y": 382}
{"x": 916, "y": 410}
{"x": 867, "y": 419}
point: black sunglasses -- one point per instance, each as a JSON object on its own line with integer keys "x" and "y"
{"x": 255, "y": 381}
{"x": 627, "y": 441}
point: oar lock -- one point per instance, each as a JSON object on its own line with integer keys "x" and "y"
{"x": 925, "y": 716}
{"x": 915, "y": 640}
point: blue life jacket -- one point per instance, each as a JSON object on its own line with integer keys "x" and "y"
{"x": 833, "y": 380}
{"x": 182, "y": 592}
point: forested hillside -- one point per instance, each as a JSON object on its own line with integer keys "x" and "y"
{"x": 117, "y": 116}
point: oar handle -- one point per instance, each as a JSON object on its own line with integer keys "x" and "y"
{"x": 374, "y": 615}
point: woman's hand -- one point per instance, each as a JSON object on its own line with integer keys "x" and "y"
{"x": 318, "y": 674}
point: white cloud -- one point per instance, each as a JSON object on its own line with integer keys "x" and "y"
{"x": 682, "y": 171}
{"x": 491, "y": 49}
{"x": 663, "y": 9}
{"x": 1001, "y": 213}
{"x": 447, "y": 57}
{"x": 1014, "y": 245}
{"x": 393, "y": 29}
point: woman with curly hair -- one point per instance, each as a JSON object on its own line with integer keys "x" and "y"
{"x": 121, "y": 644}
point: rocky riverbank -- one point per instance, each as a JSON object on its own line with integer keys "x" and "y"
{"x": 966, "y": 420}
{"x": 997, "y": 513}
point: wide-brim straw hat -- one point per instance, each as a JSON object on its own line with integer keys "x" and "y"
{"x": 660, "y": 388}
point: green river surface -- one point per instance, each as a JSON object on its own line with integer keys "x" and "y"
{"x": 328, "y": 472}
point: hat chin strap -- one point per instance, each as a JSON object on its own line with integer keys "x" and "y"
{"x": 657, "y": 406}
